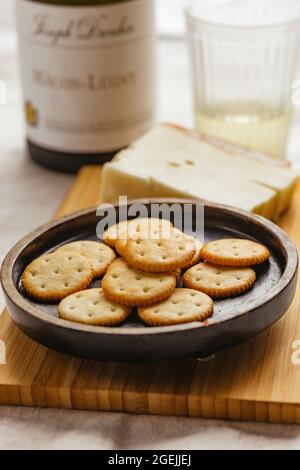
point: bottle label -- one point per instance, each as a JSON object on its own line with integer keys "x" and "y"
{"x": 88, "y": 74}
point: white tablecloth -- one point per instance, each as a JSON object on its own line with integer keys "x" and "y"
{"x": 29, "y": 196}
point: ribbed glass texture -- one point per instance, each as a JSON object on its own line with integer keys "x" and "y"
{"x": 244, "y": 56}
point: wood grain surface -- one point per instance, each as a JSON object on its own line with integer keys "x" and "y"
{"x": 255, "y": 381}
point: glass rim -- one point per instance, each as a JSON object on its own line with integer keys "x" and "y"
{"x": 239, "y": 28}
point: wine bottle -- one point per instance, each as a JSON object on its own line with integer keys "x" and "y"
{"x": 88, "y": 77}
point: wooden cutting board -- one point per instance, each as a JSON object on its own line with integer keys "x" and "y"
{"x": 255, "y": 381}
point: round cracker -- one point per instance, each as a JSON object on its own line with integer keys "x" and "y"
{"x": 148, "y": 228}
{"x": 219, "y": 282}
{"x": 143, "y": 228}
{"x": 91, "y": 307}
{"x": 183, "y": 306}
{"x": 235, "y": 252}
{"x": 135, "y": 228}
{"x": 57, "y": 275}
{"x": 160, "y": 254}
{"x": 113, "y": 232}
{"x": 99, "y": 254}
{"x": 128, "y": 286}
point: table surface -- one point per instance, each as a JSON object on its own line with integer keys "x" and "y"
{"x": 29, "y": 196}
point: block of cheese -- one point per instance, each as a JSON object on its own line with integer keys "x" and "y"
{"x": 170, "y": 161}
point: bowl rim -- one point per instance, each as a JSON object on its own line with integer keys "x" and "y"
{"x": 24, "y": 304}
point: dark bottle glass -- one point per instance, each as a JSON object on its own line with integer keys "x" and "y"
{"x": 88, "y": 76}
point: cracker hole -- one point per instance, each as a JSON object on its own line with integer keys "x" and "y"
{"x": 142, "y": 254}
{"x": 33, "y": 274}
{"x": 43, "y": 286}
{"x": 156, "y": 311}
{"x": 164, "y": 257}
{"x": 90, "y": 315}
{"x": 146, "y": 289}
{"x": 190, "y": 162}
{"x": 66, "y": 284}
{"x": 115, "y": 276}
{"x": 96, "y": 302}
{"x": 174, "y": 302}
{"x": 70, "y": 258}
{"x": 138, "y": 278}
{"x": 198, "y": 305}
{"x": 78, "y": 296}
{"x": 174, "y": 164}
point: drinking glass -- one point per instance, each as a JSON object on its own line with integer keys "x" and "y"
{"x": 244, "y": 56}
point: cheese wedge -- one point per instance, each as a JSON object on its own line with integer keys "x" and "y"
{"x": 172, "y": 162}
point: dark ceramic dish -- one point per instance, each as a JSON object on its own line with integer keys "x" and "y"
{"x": 234, "y": 320}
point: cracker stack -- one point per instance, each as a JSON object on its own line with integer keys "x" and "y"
{"x": 152, "y": 255}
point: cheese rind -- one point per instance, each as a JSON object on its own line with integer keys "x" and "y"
{"x": 168, "y": 162}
